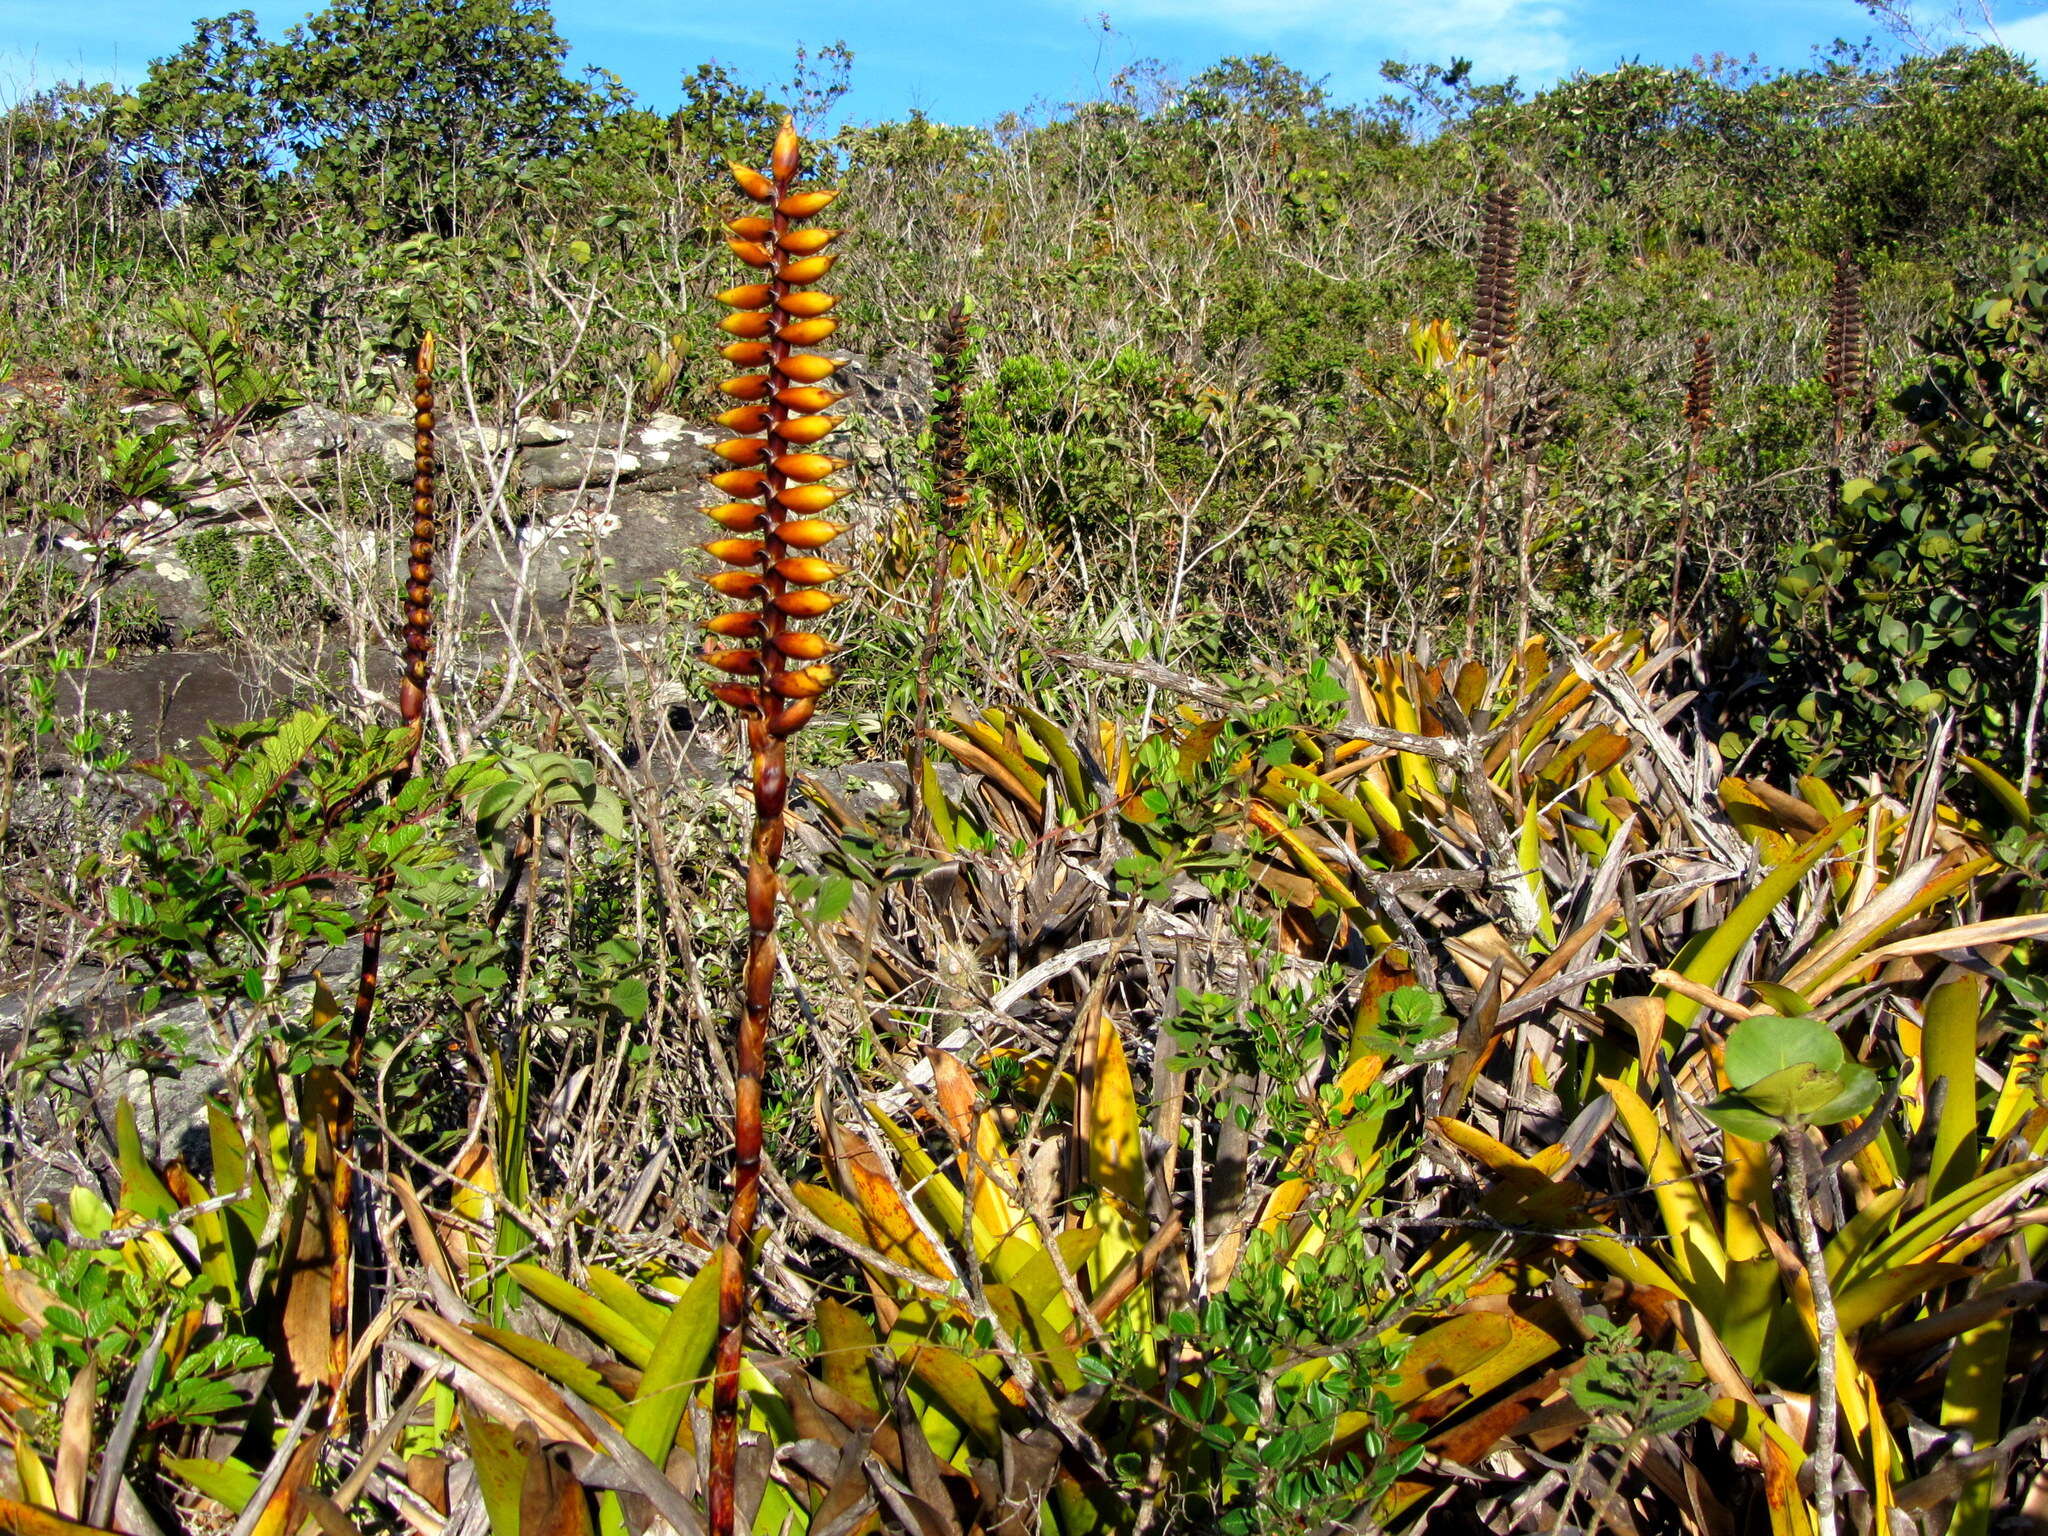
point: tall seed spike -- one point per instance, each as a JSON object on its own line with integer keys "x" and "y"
{"x": 1847, "y": 346}
{"x": 1496, "y": 306}
{"x": 1699, "y": 389}
{"x": 412, "y": 709}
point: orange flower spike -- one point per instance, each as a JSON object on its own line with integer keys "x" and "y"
{"x": 803, "y": 647}
{"x": 802, "y": 205}
{"x": 743, "y": 451}
{"x": 808, "y": 242}
{"x": 808, "y": 429}
{"x": 735, "y": 551}
{"x": 807, "y": 270}
{"x": 806, "y": 467}
{"x": 807, "y": 500}
{"x": 787, "y": 157}
{"x": 804, "y": 333}
{"x": 751, "y": 227}
{"x": 739, "y": 516}
{"x": 752, "y": 325}
{"x": 752, "y": 182}
{"x": 754, "y": 254}
{"x": 806, "y": 368}
{"x": 809, "y": 532}
{"x": 744, "y": 418}
{"x": 741, "y": 482}
{"x": 807, "y": 602}
{"x": 749, "y": 296}
{"x": 807, "y": 570}
{"x": 748, "y": 386}
{"x": 808, "y": 305}
{"x": 746, "y": 354}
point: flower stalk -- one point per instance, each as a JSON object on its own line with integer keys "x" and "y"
{"x": 773, "y": 671}
{"x": 412, "y": 711}
{"x": 1698, "y": 415}
{"x": 1496, "y": 325}
{"x": 949, "y": 484}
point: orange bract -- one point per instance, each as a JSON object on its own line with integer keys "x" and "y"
{"x": 806, "y": 368}
{"x": 808, "y": 466}
{"x": 805, "y": 333}
{"x": 807, "y": 603}
{"x": 744, "y": 418}
{"x": 807, "y": 570}
{"x": 808, "y": 242}
{"x": 808, "y": 270}
{"x": 741, "y": 482}
{"x": 807, "y": 429}
{"x": 801, "y": 205}
{"x": 742, "y": 451}
{"x": 809, "y": 532}
{"x": 802, "y": 646}
{"x": 735, "y": 551}
{"x": 805, "y": 399}
{"x": 806, "y": 499}
{"x": 805, "y": 305}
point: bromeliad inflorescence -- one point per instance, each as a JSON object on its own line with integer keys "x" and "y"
{"x": 774, "y": 668}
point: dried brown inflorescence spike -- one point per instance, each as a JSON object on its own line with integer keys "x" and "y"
{"x": 1497, "y": 310}
{"x": 949, "y": 422}
{"x": 766, "y": 668}
{"x": 1699, "y": 388}
{"x": 1848, "y": 351}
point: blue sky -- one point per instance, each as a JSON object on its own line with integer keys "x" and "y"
{"x": 973, "y": 62}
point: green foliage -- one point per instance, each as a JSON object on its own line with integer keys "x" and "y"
{"x": 414, "y": 114}
{"x": 99, "y": 1312}
{"x": 1291, "y": 1402}
{"x": 1784, "y": 1074}
{"x": 205, "y": 367}
{"x": 254, "y": 585}
{"x": 1924, "y": 596}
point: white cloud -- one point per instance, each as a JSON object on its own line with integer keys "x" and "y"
{"x": 1528, "y": 38}
{"x": 2027, "y": 35}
